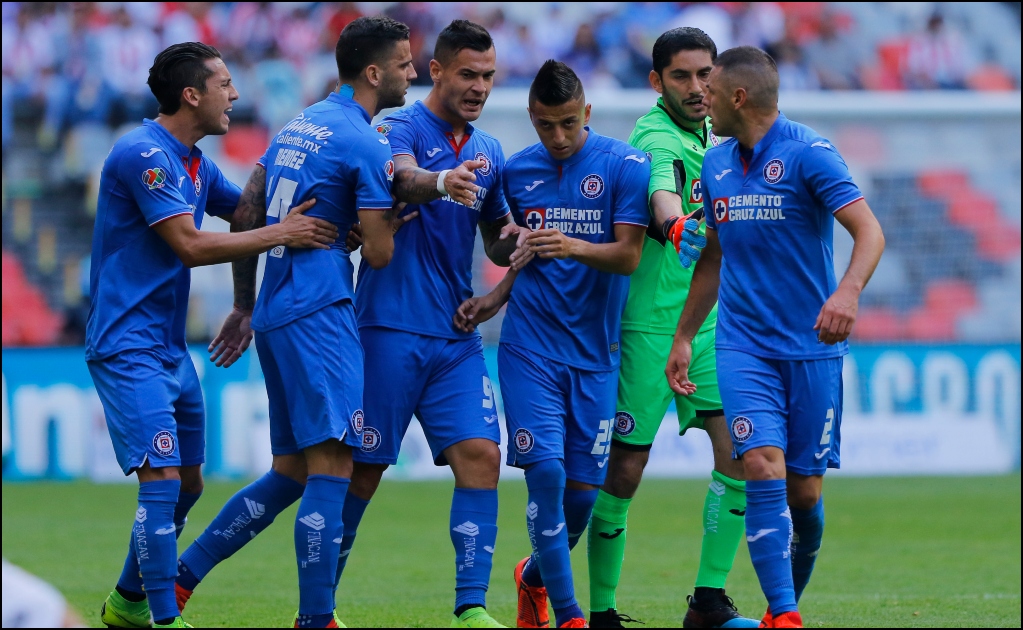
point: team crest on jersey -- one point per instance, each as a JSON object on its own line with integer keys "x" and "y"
{"x": 535, "y": 218}
{"x": 742, "y": 429}
{"x": 163, "y": 443}
{"x": 358, "y": 420}
{"x": 154, "y": 177}
{"x": 696, "y": 192}
{"x": 198, "y": 184}
{"x": 720, "y": 207}
{"x": 370, "y": 440}
{"x": 773, "y": 171}
{"x": 523, "y": 441}
{"x": 592, "y": 186}
{"x": 384, "y": 128}
{"x": 389, "y": 170}
{"x": 714, "y": 140}
{"x": 487, "y": 164}
{"x": 624, "y": 423}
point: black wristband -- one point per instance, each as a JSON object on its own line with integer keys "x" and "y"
{"x": 666, "y": 228}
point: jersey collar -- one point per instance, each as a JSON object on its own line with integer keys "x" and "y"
{"x": 701, "y": 137}
{"x": 350, "y": 103}
{"x": 169, "y": 140}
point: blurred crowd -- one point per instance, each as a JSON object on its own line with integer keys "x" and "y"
{"x": 84, "y": 61}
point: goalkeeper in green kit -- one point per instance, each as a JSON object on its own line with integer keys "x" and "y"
{"x": 675, "y": 134}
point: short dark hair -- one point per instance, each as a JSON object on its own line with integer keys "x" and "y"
{"x": 364, "y": 42}
{"x": 678, "y": 39}
{"x": 458, "y": 35}
{"x": 178, "y": 67}
{"x": 555, "y": 84}
{"x": 753, "y": 69}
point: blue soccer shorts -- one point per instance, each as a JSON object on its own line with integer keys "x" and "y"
{"x": 792, "y": 405}
{"x": 442, "y": 382}
{"x": 154, "y": 412}
{"x": 313, "y": 372}
{"x": 555, "y": 411}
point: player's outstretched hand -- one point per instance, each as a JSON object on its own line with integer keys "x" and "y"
{"x": 684, "y": 234}
{"x": 475, "y": 311}
{"x": 549, "y": 244}
{"x": 233, "y": 339}
{"x": 460, "y": 182}
{"x": 354, "y": 239}
{"x": 836, "y": 319}
{"x": 522, "y": 254}
{"x": 677, "y": 370}
{"x": 397, "y": 222}
{"x": 305, "y": 232}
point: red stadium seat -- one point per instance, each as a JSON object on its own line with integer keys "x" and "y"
{"x": 926, "y": 325}
{"x": 879, "y": 324}
{"x": 998, "y": 241}
{"x": 950, "y": 296}
{"x": 27, "y": 319}
{"x": 892, "y": 55}
{"x": 245, "y": 144}
{"x": 972, "y": 209}
{"x": 941, "y": 183}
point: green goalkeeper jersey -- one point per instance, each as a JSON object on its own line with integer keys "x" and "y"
{"x": 659, "y": 286}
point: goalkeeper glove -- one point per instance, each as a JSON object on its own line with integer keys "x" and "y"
{"x": 683, "y": 233}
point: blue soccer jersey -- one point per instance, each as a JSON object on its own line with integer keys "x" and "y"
{"x": 773, "y": 212}
{"x": 139, "y": 285}
{"x": 331, "y": 153}
{"x": 563, "y": 309}
{"x": 430, "y": 274}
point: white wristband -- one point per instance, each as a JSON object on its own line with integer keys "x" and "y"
{"x": 440, "y": 181}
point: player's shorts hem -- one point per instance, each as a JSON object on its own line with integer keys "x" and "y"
{"x": 193, "y": 461}
{"x": 709, "y": 413}
{"x": 811, "y": 472}
{"x": 359, "y": 456}
{"x": 304, "y": 444}
{"x": 617, "y": 442}
{"x": 742, "y": 449}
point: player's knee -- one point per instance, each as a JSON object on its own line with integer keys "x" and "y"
{"x": 476, "y": 463}
{"x": 804, "y": 494}
{"x": 763, "y": 464}
{"x": 625, "y": 472}
{"x": 291, "y": 466}
{"x": 366, "y": 479}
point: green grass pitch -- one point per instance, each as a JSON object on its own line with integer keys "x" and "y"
{"x": 897, "y": 553}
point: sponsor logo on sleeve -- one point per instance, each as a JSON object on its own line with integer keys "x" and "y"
{"x": 592, "y": 186}
{"x": 154, "y": 178}
{"x": 163, "y": 443}
{"x": 487, "y": 167}
{"x": 635, "y": 158}
{"x": 720, "y": 207}
{"x": 774, "y": 171}
{"x": 523, "y": 441}
{"x": 742, "y": 428}
{"x": 155, "y": 150}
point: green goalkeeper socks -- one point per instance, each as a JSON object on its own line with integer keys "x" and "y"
{"x": 724, "y": 521}
{"x": 606, "y": 549}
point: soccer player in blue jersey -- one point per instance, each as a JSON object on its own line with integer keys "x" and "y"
{"x": 771, "y": 194}
{"x": 308, "y": 345}
{"x": 155, "y": 187}
{"x": 417, "y": 362}
{"x": 583, "y": 196}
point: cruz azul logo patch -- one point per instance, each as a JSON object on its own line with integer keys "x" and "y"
{"x": 154, "y": 178}
{"x": 720, "y": 210}
{"x": 774, "y": 171}
{"x": 370, "y": 440}
{"x": 523, "y": 441}
{"x": 535, "y": 218}
{"x": 592, "y": 186}
{"x": 742, "y": 429}
{"x": 624, "y": 423}
{"x": 358, "y": 420}
{"x": 487, "y": 164}
{"x": 163, "y": 443}
{"x": 696, "y": 192}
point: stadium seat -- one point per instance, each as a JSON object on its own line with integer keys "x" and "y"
{"x": 998, "y": 241}
{"x": 892, "y": 56}
{"x": 27, "y": 319}
{"x": 940, "y": 183}
{"x": 245, "y": 144}
{"x": 879, "y": 324}
{"x": 950, "y": 296}
{"x": 926, "y": 325}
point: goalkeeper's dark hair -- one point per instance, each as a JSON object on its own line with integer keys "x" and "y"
{"x": 178, "y": 67}
{"x": 459, "y": 35}
{"x": 555, "y": 84}
{"x": 755, "y": 71}
{"x": 670, "y": 43}
{"x": 366, "y": 41}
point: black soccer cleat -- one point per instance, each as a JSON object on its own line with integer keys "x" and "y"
{"x": 610, "y": 619}
{"x": 711, "y": 608}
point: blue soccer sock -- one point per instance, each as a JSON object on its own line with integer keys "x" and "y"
{"x": 246, "y": 514}
{"x": 156, "y": 545}
{"x": 578, "y": 508}
{"x": 131, "y": 576}
{"x": 768, "y": 534}
{"x": 807, "y": 532}
{"x": 548, "y": 534}
{"x": 473, "y": 529}
{"x": 318, "y": 531}
{"x": 355, "y": 507}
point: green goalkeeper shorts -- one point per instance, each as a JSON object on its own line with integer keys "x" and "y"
{"x": 644, "y": 394}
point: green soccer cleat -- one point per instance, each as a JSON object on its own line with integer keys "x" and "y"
{"x": 117, "y": 612}
{"x": 178, "y": 622}
{"x": 476, "y": 617}
{"x": 337, "y": 622}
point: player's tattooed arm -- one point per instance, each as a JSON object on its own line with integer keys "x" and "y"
{"x": 477, "y": 310}
{"x": 415, "y": 185}
{"x": 249, "y": 215}
{"x": 503, "y": 239}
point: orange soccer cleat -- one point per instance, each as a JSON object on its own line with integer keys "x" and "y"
{"x": 182, "y": 595}
{"x": 532, "y": 602}
{"x": 768, "y": 619}
{"x": 577, "y": 622}
{"x": 788, "y": 620}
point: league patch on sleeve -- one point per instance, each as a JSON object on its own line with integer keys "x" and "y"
{"x": 389, "y": 170}
{"x": 154, "y": 178}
